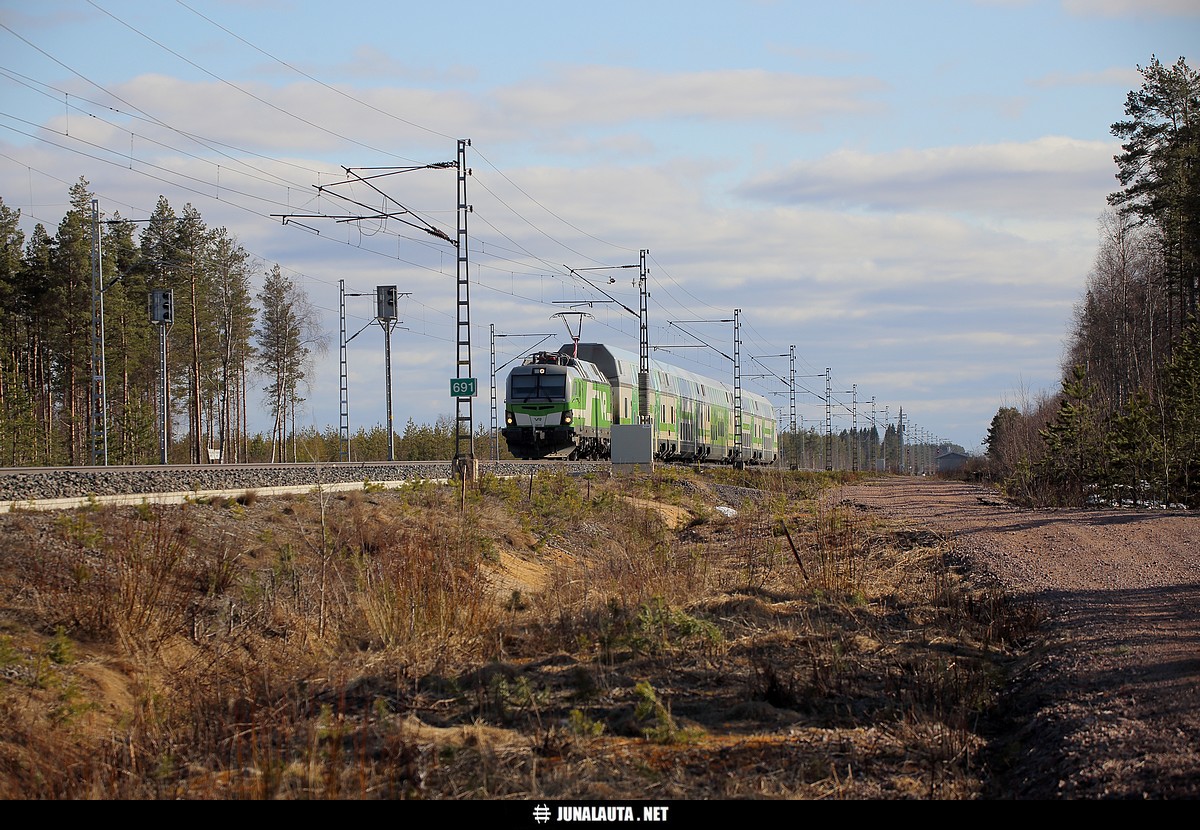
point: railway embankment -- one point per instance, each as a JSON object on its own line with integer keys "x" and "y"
{"x": 66, "y": 487}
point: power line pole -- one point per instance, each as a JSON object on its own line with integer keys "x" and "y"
{"x": 465, "y": 465}
{"x": 792, "y": 389}
{"x": 737, "y": 373}
{"x": 738, "y": 438}
{"x": 408, "y": 217}
{"x": 644, "y": 414}
{"x": 344, "y": 409}
{"x": 792, "y": 385}
{"x": 854, "y": 426}
{"x": 495, "y": 413}
{"x": 828, "y": 423}
{"x": 874, "y": 440}
{"x": 492, "y": 374}
{"x": 792, "y": 423}
{"x": 344, "y": 426}
{"x": 887, "y": 420}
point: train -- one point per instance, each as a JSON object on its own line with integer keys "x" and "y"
{"x": 564, "y": 404}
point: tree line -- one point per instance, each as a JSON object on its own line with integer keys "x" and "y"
{"x": 219, "y": 339}
{"x": 1125, "y": 425}
{"x": 862, "y": 449}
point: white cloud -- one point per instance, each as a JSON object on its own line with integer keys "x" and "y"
{"x": 609, "y": 94}
{"x": 371, "y": 63}
{"x": 1045, "y": 177}
{"x": 1118, "y": 76}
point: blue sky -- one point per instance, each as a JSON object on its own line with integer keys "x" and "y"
{"x": 907, "y": 193}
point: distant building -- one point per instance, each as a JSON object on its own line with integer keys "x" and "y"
{"x": 950, "y": 461}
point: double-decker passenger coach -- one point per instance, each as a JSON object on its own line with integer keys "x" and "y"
{"x": 563, "y": 404}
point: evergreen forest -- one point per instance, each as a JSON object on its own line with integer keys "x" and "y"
{"x": 1125, "y": 426}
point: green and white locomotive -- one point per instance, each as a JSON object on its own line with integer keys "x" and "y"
{"x": 563, "y": 405}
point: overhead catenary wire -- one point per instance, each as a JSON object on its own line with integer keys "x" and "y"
{"x": 663, "y": 284}
{"x": 152, "y": 119}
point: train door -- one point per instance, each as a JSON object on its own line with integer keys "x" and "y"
{"x": 687, "y": 419}
{"x": 691, "y": 445}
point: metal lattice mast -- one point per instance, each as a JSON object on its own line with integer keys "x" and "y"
{"x": 464, "y": 442}
{"x": 854, "y": 425}
{"x": 99, "y": 426}
{"x": 792, "y": 385}
{"x": 344, "y": 421}
{"x": 492, "y": 375}
{"x": 887, "y": 421}
{"x": 737, "y": 386}
{"x": 874, "y": 440}
{"x": 644, "y": 415}
{"x": 798, "y": 453}
{"x": 828, "y": 423}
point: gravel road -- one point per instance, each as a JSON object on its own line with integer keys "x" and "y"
{"x": 1108, "y": 705}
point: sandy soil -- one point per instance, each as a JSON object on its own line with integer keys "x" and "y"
{"x": 1108, "y": 707}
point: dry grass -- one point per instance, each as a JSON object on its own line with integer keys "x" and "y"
{"x": 552, "y": 637}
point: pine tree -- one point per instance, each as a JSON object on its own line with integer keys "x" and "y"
{"x": 1181, "y": 400}
{"x": 33, "y": 305}
{"x": 235, "y": 314}
{"x": 1074, "y": 457}
{"x": 157, "y": 268}
{"x": 17, "y": 414}
{"x": 1136, "y": 450}
{"x": 132, "y": 356}
{"x": 192, "y": 302}
{"x": 1159, "y": 172}
{"x": 70, "y": 329}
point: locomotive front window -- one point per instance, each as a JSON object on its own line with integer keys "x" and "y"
{"x": 554, "y": 386}
{"x": 536, "y": 386}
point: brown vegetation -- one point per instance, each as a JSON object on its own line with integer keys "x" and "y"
{"x": 549, "y": 637}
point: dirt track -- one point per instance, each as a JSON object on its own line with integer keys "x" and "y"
{"x": 1109, "y": 705}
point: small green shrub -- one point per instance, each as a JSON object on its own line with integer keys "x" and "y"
{"x": 582, "y": 726}
{"x": 61, "y": 650}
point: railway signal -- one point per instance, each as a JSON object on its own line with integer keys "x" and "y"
{"x": 385, "y": 302}
{"x": 162, "y": 306}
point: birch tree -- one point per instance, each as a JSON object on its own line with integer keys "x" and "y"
{"x": 288, "y": 331}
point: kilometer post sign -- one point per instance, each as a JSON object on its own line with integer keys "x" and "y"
{"x": 463, "y": 387}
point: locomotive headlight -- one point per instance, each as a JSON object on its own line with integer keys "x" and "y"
{"x": 509, "y": 418}
{"x": 566, "y": 419}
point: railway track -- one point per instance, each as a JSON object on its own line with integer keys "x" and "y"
{"x": 57, "y": 488}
